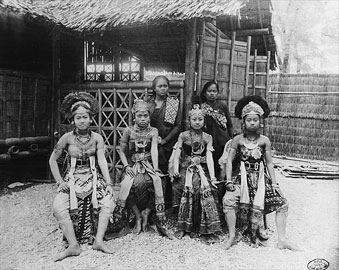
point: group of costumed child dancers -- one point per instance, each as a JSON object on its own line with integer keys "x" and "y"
{"x": 168, "y": 174}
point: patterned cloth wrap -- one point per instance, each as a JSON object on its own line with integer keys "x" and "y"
{"x": 86, "y": 188}
{"x": 172, "y": 106}
{"x": 198, "y": 211}
{"x": 219, "y": 117}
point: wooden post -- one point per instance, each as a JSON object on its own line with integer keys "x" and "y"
{"x": 190, "y": 63}
{"x": 254, "y": 71}
{"x": 267, "y": 72}
{"x": 230, "y": 86}
{"x": 130, "y": 106}
{"x": 20, "y": 106}
{"x": 216, "y": 56}
{"x": 247, "y": 70}
{"x": 3, "y": 117}
{"x": 35, "y": 105}
{"x": 55, "y": 95}
{"x": 100, "y": 111}
{"x": 267, "y": 83}
{"x": 115, "y": 133}
{"x": 200, "y": 56}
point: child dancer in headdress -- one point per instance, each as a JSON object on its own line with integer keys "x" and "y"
{"x": 141, "y": 187}
{"x": 251, "y": 192}
{"x": 194, "y": 182}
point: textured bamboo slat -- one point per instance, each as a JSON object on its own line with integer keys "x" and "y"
{"x": 304, "y": 119}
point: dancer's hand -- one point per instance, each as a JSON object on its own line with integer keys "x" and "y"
{"x": 214, "y": 182}
{"x": 64, "y": 187}
{"x": 129, "y": 171}
{"x": 230, "y": 186}
{"x": 176, "y": 174}
{"x": 109, "y": 190}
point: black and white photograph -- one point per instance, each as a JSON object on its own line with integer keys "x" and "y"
{"x": 169, "y": 134}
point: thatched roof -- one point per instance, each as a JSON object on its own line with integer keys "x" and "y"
{"x": 102, "y": 15}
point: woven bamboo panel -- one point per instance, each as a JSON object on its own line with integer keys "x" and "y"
{"x": 24, "y": 104}
{"x": 304, "y": 118}
{"x": 115, "y": 105}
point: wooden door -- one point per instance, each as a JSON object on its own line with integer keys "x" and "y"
{"x": 225, "y": 61}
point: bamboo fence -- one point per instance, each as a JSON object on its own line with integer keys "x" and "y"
{"x": 304, "y": 120}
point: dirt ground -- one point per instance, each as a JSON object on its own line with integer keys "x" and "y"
{"x": 30, "y": 237}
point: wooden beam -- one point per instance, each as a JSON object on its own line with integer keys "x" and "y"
{"x": 20, "y": 105}
{"x": 247, "y": 69}
{"x": 35, "y": 106}
{"x": 190, "y": 64}
{"x": 200, "y": 51}
{"x": 230, "y": 86}
{"x": 254, "y": 71}
{"x": 216, "y": 56}
{"x": 252, "y": 32}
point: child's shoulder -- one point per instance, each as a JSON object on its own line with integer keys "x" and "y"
{"x": 206, "y": 136}
{"x": 185, "y": 133}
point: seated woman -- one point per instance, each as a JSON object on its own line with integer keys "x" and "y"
{"x": 141, "y": 187}
{"x": 83, "y": 184}
{"x": 195, "y": 184}
{"x": 251, "y": 187}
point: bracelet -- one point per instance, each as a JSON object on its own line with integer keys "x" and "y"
{"x": 228, "y": 182}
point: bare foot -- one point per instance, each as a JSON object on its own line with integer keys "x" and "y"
{"x": 194, "y": 235}
{"x": 230, "y": 242}
{"x": 137, "y": 228}
{"x": 284, "y": 244}
{"x": 179, "y": 234}
{"x": 101, "y": 247}
{"x": 73, "y": 250}
{"x": 145, "y": 215}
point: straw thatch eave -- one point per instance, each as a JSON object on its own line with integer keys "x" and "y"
{"x": 103, "y": 15}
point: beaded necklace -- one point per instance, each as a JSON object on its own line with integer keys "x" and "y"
{"x": 196, "y": 139}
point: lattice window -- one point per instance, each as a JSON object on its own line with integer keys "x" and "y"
{"x": 104, "y": 65}
{"x": 99, "y": 62}
{"x": 129, "y": 68}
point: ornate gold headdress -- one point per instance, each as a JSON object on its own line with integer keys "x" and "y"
{"x": 196, "y": 110}
{"x": 251, "y": 104}
{"x": 140, "y": 105}
{"x": 79, "y": 102}
{"x": 252, "y": 108}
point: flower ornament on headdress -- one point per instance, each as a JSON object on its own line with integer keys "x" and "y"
{"x": 251, "y": 105}
{"x": 79, "y": 102}
{"x": 140, "y": 105}
{"x": 196, "y": 110}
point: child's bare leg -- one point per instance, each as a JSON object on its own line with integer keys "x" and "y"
{"x": 74, "y": 247}
{"x": 137, "y": 228}
{"x": 99, "y": 238}
{"x": 145, "y": 214}
{"x": 280, "y": 220}
{"x": 231, "y": 218}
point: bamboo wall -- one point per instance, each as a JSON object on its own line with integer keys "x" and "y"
{"x": 304, "y": 120}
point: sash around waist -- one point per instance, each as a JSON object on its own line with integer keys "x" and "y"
{"x": 140, "y": 156}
